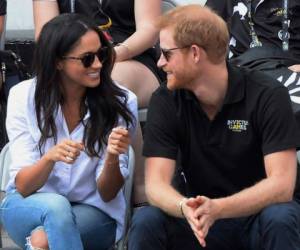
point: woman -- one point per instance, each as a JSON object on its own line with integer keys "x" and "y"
{"x": 69, "y": 131}
{"x": 130, "y": 24}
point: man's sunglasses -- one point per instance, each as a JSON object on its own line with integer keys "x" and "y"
{"x": 167, "y": 53}
{"x": 89, "y": 58}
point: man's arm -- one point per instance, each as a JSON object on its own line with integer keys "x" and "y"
{"x": 160, "y": 193}
{"x": 277, "y": 187}
{"x": 158, "y": 176}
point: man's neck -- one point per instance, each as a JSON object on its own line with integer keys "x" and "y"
{"x": 210, "y": 89}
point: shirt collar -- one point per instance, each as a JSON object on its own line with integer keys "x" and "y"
{"x": 235, "y": 91}
{"x": 236, "y": 85}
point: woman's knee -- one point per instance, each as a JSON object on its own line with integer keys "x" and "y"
{"x": 57, "y": 209}
{"x": 38, "y": 240}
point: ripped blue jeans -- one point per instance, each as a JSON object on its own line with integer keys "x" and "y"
{"x": 67, "y": 225}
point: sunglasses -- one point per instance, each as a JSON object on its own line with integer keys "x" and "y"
{"x": 88, "y": 59}
{"x": 167, "y": 53}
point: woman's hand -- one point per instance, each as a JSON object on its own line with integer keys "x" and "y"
{"x": 118, "y": 141}
{"x": 66, "y": 151}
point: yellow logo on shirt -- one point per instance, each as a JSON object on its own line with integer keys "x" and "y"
{"x": 237, "y": 125}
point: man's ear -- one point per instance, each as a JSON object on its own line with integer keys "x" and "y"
{"x": 198, "y": 53}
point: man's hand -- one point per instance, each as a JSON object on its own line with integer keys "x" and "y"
{"x": 201, "y": 215}
{"x": 295, "y": 68}
{"x": 189, "y": 208}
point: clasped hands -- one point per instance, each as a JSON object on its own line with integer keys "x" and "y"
{"x": 201, "y": 212}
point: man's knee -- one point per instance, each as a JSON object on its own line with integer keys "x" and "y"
{"x": 148, "y": 218}
{"x": 148, "y": 229}
{"x": 280, "y": 217}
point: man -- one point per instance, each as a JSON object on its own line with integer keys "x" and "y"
{"x": 236, "y": 134}
{"x": 265, "y": 35}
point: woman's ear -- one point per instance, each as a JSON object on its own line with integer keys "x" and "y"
{"x": 59, "y": 65}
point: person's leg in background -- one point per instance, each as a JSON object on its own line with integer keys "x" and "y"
{"x": 97, "y": 229}
{"x": 37, "y": 214}
{"x": 138, "y": 78}
{"x": 276, "y": 227}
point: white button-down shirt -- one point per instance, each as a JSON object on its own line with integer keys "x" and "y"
{"x": 77, "y": 181}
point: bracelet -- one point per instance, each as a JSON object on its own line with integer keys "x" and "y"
{"x": 180, "y": 206}
{"x": 112, "y": 163}
{"x": 125, "y": 46}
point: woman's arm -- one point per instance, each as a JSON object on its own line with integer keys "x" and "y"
{"x": 43, "y": 11}
{"x": 113, "y": 169}
{"x": 2, "y": 18}
{"x": 31, "y": 178}
{"x": 29, "y": 170}
{"x": 146, "y": 34}
{"x": 111, "y": 179}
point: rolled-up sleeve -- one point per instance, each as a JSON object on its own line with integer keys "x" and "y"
{"x": 23, "y": 147}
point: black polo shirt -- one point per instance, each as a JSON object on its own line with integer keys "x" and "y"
{"x": 222, "y": 156}
{"x": 267, "y": 17}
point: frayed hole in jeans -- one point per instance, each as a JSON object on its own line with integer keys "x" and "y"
{"x": 28, "y": 240}
{"x": 30, "y": 246}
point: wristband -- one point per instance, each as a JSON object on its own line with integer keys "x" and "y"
{"x": 141, "y": 204}
{"x": 180, "y": 206}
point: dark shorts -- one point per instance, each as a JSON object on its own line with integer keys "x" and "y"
{"x": 149, "y": 58}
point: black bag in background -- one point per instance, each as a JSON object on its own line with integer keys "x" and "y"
{"x": 274, "y": 62}
{"x": 13, "y": 70}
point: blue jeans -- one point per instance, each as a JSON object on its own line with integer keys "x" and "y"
{"x": 67, "y": 225}
{"x": 276, "y": 227}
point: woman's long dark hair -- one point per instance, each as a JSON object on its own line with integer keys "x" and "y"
{"x": 106, "y": 102}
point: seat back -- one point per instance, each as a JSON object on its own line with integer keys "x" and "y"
{"x": 168, "y": 5}
{"x": 122, "y": 244}
{"x": 128, "y": 185}
{"x": 5, "y": 161}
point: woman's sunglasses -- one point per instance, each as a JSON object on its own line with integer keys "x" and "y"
{"x": 89, "y": 58}
{"x": 167, "y": 53}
